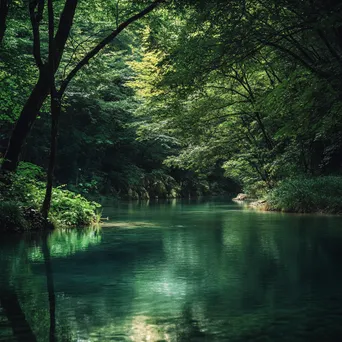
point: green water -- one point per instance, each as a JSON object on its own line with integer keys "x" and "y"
{"x": 177, "y": 271}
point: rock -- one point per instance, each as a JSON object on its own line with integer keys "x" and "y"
{"x": 260, "y": 205}
{"x": 132, "y": 194}
{"x": 241, "y": 197}
{"x": 144, "y": 194}
{"x": 173, "y": 194}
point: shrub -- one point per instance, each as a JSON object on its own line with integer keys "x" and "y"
{"x": 303, "y": 195}
{"x": 71, "y": 209}
{"x": 22, "y": 197}
{"x": 30, "y": 171}
{"x": 12, "y": 217}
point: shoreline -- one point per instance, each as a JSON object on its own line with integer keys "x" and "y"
{"x": 263, "y": 205}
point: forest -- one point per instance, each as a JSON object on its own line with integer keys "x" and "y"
{"x": 167, "y": 99}
{"x": 170, "y": 170}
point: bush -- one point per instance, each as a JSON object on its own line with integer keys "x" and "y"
{"x": 304, "y": 195}
{"x": 12, "y": 217}
{"x": 71, "y": 209}
{"x": 22, "y": 197}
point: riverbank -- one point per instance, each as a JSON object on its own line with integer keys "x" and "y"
{"x": 301, "y": 195}
{"x": 22, "y": 195}
{"x": 21, "y": 198}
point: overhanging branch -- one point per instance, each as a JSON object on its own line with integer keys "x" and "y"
{"x": 85, "y": 60}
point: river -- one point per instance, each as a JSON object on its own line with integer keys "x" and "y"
{"x": 198, "y": 270}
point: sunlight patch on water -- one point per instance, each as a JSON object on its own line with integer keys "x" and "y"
{"x": 131, "y": 225}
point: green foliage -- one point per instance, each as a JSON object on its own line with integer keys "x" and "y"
{"x": 22, "y": 200}
{"x": 251, "y": 89}
{"x": 30, "y": 171}
{"x": 257, "y": 93}
{"x": 303, "y": 195}
{"x": 68, "y": 208}
{"x": 101, "y": 147}
{"x": 12, "y": 217}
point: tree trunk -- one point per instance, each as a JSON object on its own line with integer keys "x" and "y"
{"x": 24, "y": 124}
{"x": 4, "y": 5}
{"x": 55, "y": 105}
{"x": 55, "y": 114}
{"x": 40, "y": 92}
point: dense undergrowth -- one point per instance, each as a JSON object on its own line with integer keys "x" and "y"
{"x": 22, "y": 196}
{"x": 305, "y": 195}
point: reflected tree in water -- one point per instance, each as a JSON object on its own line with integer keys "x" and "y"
{"x": 23, "y": 293}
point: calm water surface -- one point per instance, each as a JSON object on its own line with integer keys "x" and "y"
{"x": 177, "y": 271}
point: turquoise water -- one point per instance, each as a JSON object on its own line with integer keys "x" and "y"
{"x": 176, "y": 271}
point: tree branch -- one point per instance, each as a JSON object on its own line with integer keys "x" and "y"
{"x": 234, "y": 91}
{"x": 106, "y": 41}
{"x": 35, "y": 19}
{"x": 329, "y": 46}
{"x": 76, "y": 47}
{"x": 218, "y": 118}
{"x": 64, "y": 27}
{"x": 297, "y": 58}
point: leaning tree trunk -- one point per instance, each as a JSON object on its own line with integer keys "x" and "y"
{"x": 42, "y": 89}
{"x": 24, "y": 124}
{"x": 4, "y": 5}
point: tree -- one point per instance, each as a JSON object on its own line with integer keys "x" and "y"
{"x": 42, "y": 87}
{"x": 47, "y": 83}
{"x": 242, "y": 85}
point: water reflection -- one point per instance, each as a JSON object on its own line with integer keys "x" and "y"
{"x": 28, "y": 306}
{"x": 188, "y": 272}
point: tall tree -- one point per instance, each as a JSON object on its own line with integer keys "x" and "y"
{"x": 42, "y": 87}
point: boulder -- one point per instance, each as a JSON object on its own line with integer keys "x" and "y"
{"x": 241, "y": 197}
